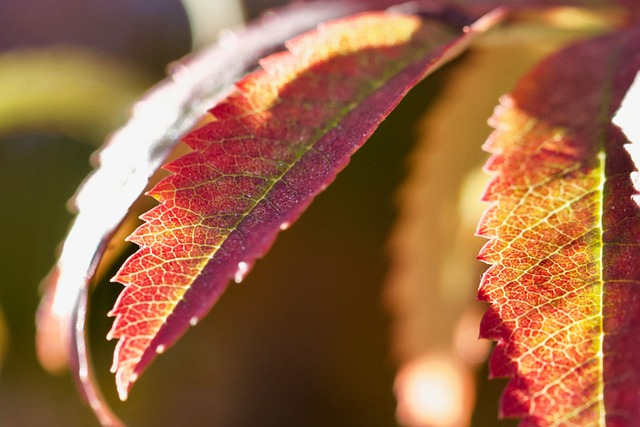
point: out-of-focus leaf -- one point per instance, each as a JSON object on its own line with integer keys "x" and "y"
{"x": 132, "y": 155}
{"x": 554, "y": 26}
{"x": 564, "y": 236}
{"x": 207, "y": 18}
{"x": 433, "y": 248}
{"x": 271, "y": 146}
{"x": 633, "y": 8}
{"x": 68, "y": 90}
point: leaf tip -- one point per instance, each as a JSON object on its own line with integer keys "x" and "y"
{"x": 125, "y": 378}
{"x": 123, "y": 388}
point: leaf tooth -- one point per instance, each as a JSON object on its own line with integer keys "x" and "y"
{"x": 175, "y": 167}
{"x": 255, "y": 92}
{"x": 220, "y": 130}
{"x": 236, "y": 106}
{"x": 514, "y": 402}
{"x": 501, "y": 364}
{"x": 280, "y": 67}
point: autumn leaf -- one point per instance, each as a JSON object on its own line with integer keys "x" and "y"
{"x": 130, "y": 157}
{"x": 564, "y": 236}
{"x": 271, "y": 146}
{"x": 433, "y": 274}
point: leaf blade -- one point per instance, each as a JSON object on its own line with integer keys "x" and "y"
{"x": 560, "y": 184}
{"x": 253, "y": 187}
{"x": 127, "y": 161}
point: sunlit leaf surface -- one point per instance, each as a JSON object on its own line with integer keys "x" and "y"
{"x": 271, "y": 146}
{"x": 434, "y": 271}
{"x": 564, "y": 242}
{"x": 130, "y": 157}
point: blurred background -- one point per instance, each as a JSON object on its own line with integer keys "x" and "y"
{"x": 371, "y": 281}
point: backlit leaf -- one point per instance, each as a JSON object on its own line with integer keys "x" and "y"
{"x": 564, "y": 242}
{"x": 434, "y": 271}
{"x": 131, "y": 156}
{"x": 270, "y": 147}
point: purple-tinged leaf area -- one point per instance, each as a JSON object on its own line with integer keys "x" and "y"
{"x": 633, "y": 10}
{"x": 271, "y": 146}
{"x": 564, "y": 248}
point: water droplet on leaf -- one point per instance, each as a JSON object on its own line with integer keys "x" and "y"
{"x": 241, "y": 272}
{"x": 285, "y": 225}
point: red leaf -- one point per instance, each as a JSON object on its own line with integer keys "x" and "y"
{"x": 564, "y": 242}
{"x": 132, "y": 155}
{"x": 272, "y": 146}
